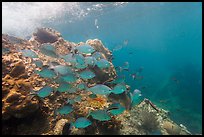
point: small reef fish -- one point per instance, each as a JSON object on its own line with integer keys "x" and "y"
{"x": 116, "y": 109}
{"x": 117, "y": 80}
{"x": 176, "y": 80}
{"x": 48, "y": 50}
{"x": 126, "y": 64}
{"x": 140, "y": 77}
{"x": 136, "y": 91}
{"x": 112, "y": 108}
{"x": 86, "y": 74}
{"x": 38, "y": 63}
{"x": 103, "y": 63}
{"x": 29, "y": 53}
{"x": 101, "y": 115}
{"x": 119, "y": 88}
{"x": 82, "y": 122}
{"x": 44, "y": 92}
{"x": 60, "y": 69}
{"x": 85, "y": 49}
{"x": 130, "y": 53}
{"x": 81, "y": 86}
{"x": 70, "y": 101}
{"x": 46, "y": 73}
{"x": 164, "y": 101}
{"x": 63, "y": 87}
{"x": 70, "y": 78}
{"x": 134, "y": 97}
{"x": 125, "y": 42}
{"x": 124, "y": 67}
{"x": 118, "y": 47}
{"x": 140, "y": 69}
{"x": 135, "y": 77}
{"x": 65, "y": 110}
{"x": 119, "y": 68}
{"x": 143, "y": 87}
{"x": 100, "y": 89}
{"x": 91, "y": 61}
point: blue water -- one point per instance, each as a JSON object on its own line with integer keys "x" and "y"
{"x": 163, "y": 38}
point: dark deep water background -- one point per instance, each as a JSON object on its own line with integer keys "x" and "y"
{"x": 163, "y": 38}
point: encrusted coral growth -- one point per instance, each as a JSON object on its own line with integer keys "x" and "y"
{"x": 88, "y": 104}
{"x": 148, "y": 121}
{"x": 60, "y": 125}
{"x": 19, "y": 78}
{"x": 171, "y": 129}
{"x": 145, "y": 119}
{"x": 17, "y": 81}
{"x": 15, "y": 90}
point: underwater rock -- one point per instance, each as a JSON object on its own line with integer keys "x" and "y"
{"x": 16, "y": 87}
{"x": 148, "y": 121}
{"x": 58, "y": 129}
{"x": 171, "y": 128}
{"x": 103, "y": 75}
{"x": 78, "y": 131}
{"x": 12, "y": 39}
{"x": 133, "y": 121}
{"x": 16, "y": 101}
{"x": 18, "y": 70}
{"x": 98, "y": 46}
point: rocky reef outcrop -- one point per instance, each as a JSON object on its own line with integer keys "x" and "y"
{"x": 19, "y": 80}
{"x": 16, "y": 87}
{"x": 20, "y": 84}
{"x": 147, "y": 119}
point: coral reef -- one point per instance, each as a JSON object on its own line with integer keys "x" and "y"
{"x": 19, "y": 79}
{"x": 21, "y": 85}
{"x": 15, "y": 93}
